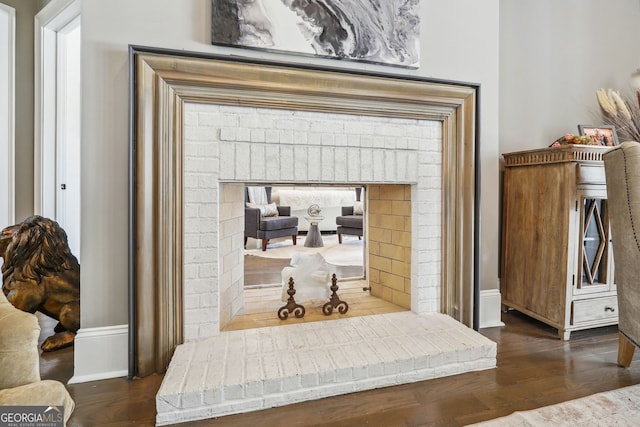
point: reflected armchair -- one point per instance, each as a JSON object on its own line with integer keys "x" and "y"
{"x": 622, "y": 170}
{"x": 268, "y": 222}
{"x": 351, "y": 222}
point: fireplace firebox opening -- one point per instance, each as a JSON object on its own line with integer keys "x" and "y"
{"x": 384, "y": 268}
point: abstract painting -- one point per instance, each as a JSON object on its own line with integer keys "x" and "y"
{"x": 373, "y": 31}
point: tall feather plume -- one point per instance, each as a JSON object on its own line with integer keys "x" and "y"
{"x": 605, "y": 102}
{"x": 621, "y": 105}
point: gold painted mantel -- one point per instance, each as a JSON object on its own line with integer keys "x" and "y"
{"x": 163, "y": 81}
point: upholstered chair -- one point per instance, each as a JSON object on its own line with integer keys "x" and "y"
{"x": 351, "y": 222}
{"x": 622, "y": 170}
{"x": 20, "y": 383}
{"x": 268, "y": 221}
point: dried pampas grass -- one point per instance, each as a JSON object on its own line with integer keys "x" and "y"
{"x": 622, "y": 112}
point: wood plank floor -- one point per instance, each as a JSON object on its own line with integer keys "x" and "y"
{"x": 534, "y": 369}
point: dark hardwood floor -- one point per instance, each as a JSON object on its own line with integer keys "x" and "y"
{"x": 534, "y": 369}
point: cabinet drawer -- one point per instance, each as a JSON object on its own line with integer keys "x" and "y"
{"x": 595, "y": 309}
{"x": 591, "y": 174}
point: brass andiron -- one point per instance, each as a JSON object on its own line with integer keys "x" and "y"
{"x": 291, "y": 306}
{"x": 334, "y": 301}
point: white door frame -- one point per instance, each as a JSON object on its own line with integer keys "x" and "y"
{"x": 56, "y": 15}
{"x": 7, "y": 115}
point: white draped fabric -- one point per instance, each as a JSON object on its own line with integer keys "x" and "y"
{"x": 257, "y": 195}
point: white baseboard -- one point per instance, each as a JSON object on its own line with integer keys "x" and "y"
{"x": 101, "y": 353}
{"x": 490, "y": 308}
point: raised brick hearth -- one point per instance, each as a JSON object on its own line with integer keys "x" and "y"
{"x": 255, "y": 369}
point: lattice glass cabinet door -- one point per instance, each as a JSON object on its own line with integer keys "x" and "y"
{"x": 595, "y": 266}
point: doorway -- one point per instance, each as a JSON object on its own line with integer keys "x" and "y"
{"x": 68, "y": 134}
{"x": 58, "y": 116}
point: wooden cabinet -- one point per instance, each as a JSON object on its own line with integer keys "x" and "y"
{"x": 557, "y": 261}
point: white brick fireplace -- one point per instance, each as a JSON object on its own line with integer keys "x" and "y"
{"x": 203, "y": 127}
{"x": 227, "y": 146}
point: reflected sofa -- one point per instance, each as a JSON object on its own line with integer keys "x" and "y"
{"x": 329, "y": 199}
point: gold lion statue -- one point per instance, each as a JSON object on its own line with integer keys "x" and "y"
{"x": 40, "y": 273}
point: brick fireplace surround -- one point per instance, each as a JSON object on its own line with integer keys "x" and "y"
{"x": 227, "y": 146}
{"x": 204, "y": 128}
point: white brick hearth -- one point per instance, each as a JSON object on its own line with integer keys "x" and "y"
{"x": 248, "y": 370}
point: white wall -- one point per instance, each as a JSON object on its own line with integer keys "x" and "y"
{"x": 553, "y": 57}
{"x": 460, "y": 42}
{"x": 25, "y": 11}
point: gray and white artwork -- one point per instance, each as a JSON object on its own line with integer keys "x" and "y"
{"x": 375, "y": 31}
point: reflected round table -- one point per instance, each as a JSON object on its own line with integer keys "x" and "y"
{"x": 314, "y": 238}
